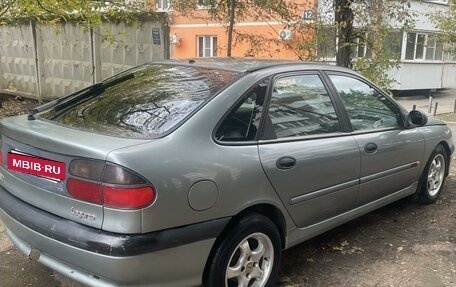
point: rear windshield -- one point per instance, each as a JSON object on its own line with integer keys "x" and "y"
{"x": 147, "y": 101}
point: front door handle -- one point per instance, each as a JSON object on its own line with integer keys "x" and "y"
{"x": 286, "y": 162}
{"x": 370, "y": 148}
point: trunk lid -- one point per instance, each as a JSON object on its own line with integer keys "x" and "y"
{"x": 52, "y": 142}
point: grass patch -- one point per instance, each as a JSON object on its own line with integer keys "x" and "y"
{"x": 448, "y": 117}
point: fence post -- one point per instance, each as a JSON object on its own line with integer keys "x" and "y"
{"x": 38, "y": 54}
{"x": 414, "y": 107}
{"x": 435, "y": 109}
{"x": 95, "y": 40}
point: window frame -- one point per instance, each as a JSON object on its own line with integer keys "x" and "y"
{"x": 212, "y": 4}
{"x": 211, "y": 42}
{"x": 441, "y": 2}
{"x": 168, "y": 8}
{"x": 401, "y": 110}
{"x": 427, "y": 37}
{"x": 336, "y": 102}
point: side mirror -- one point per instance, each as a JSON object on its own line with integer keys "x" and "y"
{"x": 416, "y": 118}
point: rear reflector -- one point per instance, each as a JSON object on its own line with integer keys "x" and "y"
{"x": 108, "y": 185}
{"x": 127, "y": 197}
{"x": 85, "y": 190}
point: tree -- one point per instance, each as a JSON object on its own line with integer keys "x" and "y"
{"x": 230, "y": 12}
{"x": 87, "y": 12}
{"x": 369, "y": 33}
{"x": 446, "y": 23}
{"x": 344, "y": 26}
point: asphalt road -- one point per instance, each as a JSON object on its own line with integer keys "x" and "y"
{"x": 403, "y": 244}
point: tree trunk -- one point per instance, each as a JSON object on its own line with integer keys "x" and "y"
{"x": 231, "y": 27}
{"x": 344, "y": 21}
{"x": 378, "y": 38}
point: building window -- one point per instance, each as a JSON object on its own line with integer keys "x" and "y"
{"x": 438, "y": 1}
{"x": 164, "y": 4}
{"x": 206, "y": 4}
{"x": 391, "y": 46}
{"x": 326, "y": 42}
{"x": 361, "y": 49}
{"x": 423, "y": 46}
{"x": 207, "y": 46}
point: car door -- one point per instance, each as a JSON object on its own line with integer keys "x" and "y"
{"x": 307, "y": 155}
{"x": 390, "y": 154}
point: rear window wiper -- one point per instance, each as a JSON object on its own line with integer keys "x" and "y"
{"x": 43, "y": 107}
{"x": 78, "y": 96}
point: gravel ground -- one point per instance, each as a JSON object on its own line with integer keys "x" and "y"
{"x": 403, "y": 244}
{"x": 11, "y": 106}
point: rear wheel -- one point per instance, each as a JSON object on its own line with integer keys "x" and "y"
{"x": 248, "y": 256}
{"x": 433, "y": 176}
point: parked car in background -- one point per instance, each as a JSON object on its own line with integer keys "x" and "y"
{"x": 182, "y": 173}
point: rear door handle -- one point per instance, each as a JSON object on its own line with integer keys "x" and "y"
{"x": 286, "y": 162}
{"x": 370, "y": 148}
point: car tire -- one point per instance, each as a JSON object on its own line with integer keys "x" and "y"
{"x": 433, "y": 176}
{"x": 249, "y": 254}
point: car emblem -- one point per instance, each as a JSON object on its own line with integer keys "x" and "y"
{"x": 82, "y": 214}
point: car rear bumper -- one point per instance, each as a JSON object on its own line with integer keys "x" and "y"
{"x": 174, "y": 257}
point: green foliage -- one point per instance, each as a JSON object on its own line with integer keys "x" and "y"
{"x": 446, "y": 23}
{"x": 244, "y": 10}
{"x": 88, "y": 13}
{"x": 373, "y": 37}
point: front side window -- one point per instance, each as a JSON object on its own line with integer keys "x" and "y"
{"x": 367, "y": 108}
{"x": 207, "y": 46}
{"x": 300, "y": 106}
{"x": 147, "y": 101}
{"x": 243, "y": 122}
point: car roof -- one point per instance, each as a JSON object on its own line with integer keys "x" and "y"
{"x": 245, "y": 65}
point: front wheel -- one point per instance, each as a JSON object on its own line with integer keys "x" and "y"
{"x": 433, "y": 176}
{"x": 248, "y": 256}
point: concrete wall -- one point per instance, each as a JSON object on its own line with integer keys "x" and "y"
{"x": 46, "y": 62}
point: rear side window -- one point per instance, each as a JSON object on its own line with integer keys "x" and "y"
{"x": 145, "y": 102}
{"x": 243, "y": 122}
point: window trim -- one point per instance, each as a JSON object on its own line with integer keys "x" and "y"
{"x": 440, "y": 2}
{"x": 341, "y": 114}
{"x": 204, "y": 37}
{"x": 168, "y": 8}
{"x": 427, "y": 35}
{"x": 207, "y": 6}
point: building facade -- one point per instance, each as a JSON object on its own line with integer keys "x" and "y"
{"x": 423, "y": 62}
{"x": 194, "y": 34}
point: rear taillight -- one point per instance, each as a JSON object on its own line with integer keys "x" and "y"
{"x": 85, "y": 190}
{"x": 108, "y": 184}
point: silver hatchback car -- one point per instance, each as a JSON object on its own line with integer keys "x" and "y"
{"x": 199, "y": 172}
